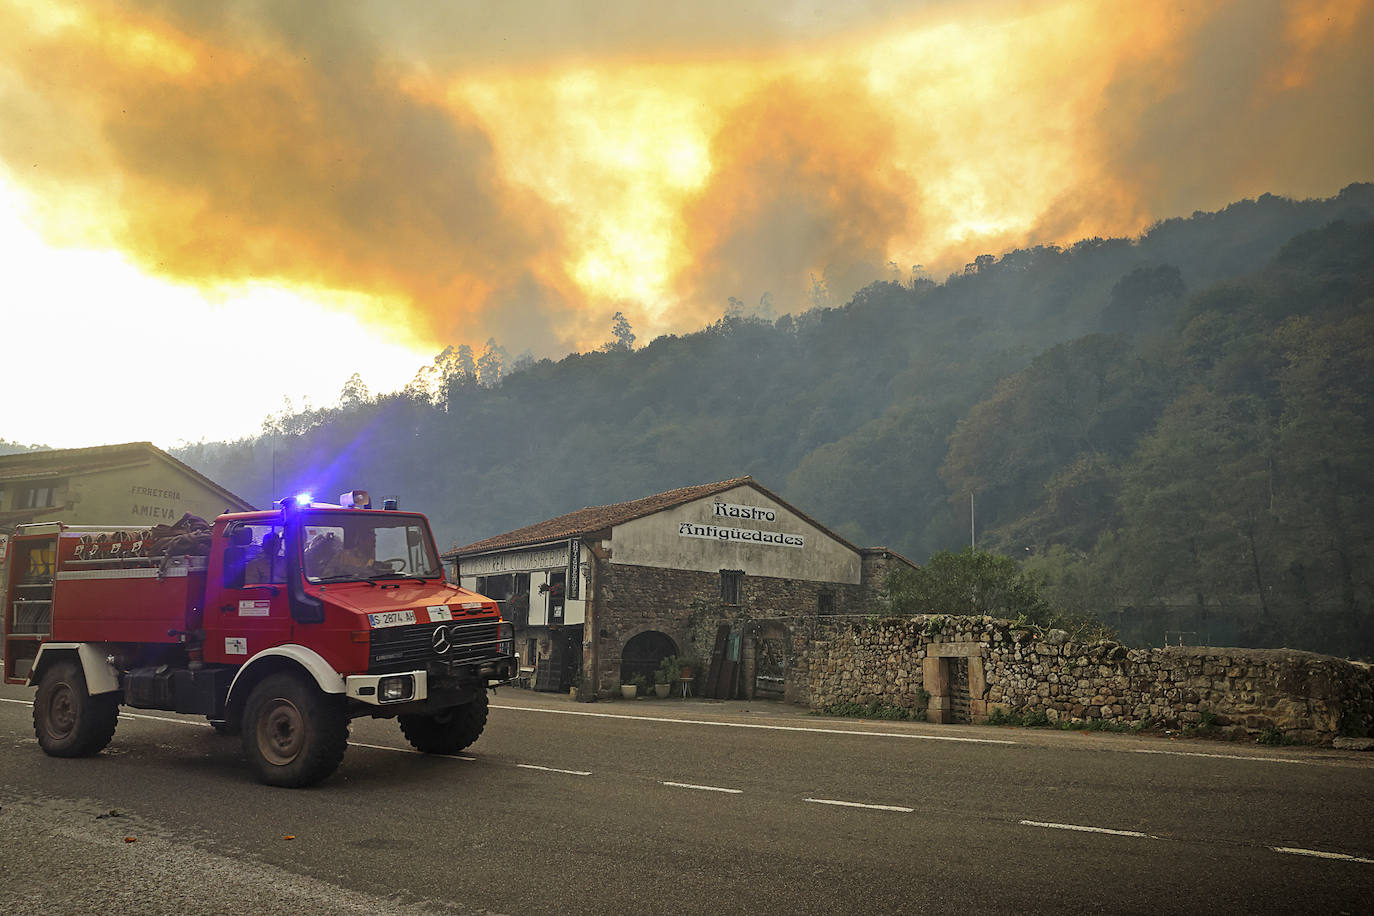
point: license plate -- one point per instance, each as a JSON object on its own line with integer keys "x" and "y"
{"x": 391, "y": 619}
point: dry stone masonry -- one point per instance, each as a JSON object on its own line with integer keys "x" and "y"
{"x": 973, "y": 667}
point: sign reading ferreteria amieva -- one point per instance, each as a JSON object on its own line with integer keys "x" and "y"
{"x": 524, "y": 561}
{"x": 741, "y": 535}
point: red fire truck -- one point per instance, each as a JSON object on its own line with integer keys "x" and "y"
{"x": 279, "y": 625}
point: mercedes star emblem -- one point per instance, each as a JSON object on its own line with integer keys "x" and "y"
{"x": 440, "y": 640}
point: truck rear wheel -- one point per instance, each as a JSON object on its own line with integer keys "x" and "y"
{"x": 68, "y": 721}
{"x": 447, "y": 732}
{"x": 294, "y": 734}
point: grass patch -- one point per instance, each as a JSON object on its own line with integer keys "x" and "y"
{"x": 874, "y": 710}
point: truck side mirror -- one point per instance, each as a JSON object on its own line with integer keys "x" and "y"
{"x": 234, "y": 564}
{"x": 412, "y": 537}
{"x": 241, "y": 536}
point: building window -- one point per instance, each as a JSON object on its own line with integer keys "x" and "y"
{"x": 511, "y": 592}
{"x": 40, "y": 497}
{"x": 825, "y": 603}
{"x": 557, "y": 587}
{"x": 729, "y": 585}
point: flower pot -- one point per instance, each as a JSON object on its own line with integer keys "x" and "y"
{"x": 628, "y": 691}
{"x": 685, "y": 672}
{"x": 661, "y": 690}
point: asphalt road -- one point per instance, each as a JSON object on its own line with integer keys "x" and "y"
{"x": 686, "y": 807}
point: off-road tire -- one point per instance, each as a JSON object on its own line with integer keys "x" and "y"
{"x": 294, "y": 734}
{"x": 447, "y": 732}
{"x": 67, "y": 720}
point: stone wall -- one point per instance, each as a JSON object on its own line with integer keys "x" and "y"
{"x": 1303, "y": 696}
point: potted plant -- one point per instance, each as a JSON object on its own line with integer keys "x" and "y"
{"x": 628, "y": 691}
{"x": 688, "y": 665}
{"x": 666, "y": 676}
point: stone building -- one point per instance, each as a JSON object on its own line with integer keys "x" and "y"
{"x": 726, "y": 573}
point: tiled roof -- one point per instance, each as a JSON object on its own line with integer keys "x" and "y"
{"x": 66, "y": 462}
{"x": 600, "y": 518}
{"x": 597, "y": 518}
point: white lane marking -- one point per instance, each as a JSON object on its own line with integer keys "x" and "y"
{"x": 531, "y": 766}
{"x": 1223, "y": 756}
{"x": 850, "y": 804}
{"x": 1317, "y": 853}
{"x": 128, "y": 715}
{"x": 688, "y": 785}
{"x": 135, "y": 715}
{"x": 778, "y": 728}
{"x": 1083, "y": 829}
{"x": 407, "y": 750}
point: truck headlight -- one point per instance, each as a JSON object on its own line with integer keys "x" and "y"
{"x": 396, "y": 688}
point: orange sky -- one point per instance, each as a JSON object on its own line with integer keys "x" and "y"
{"x": 411, "y": 174}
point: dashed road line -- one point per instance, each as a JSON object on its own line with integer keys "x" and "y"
{"x": 850, "y": 804}
{"x": 531, "y": 766}
{"x": 1082, "y": 829}
{"x": 777, "y": 728}
{"x": 688, "y": 785}
{"x": 1318, "y": 854}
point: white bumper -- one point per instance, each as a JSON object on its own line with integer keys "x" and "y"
{"x": 368, "y": 688}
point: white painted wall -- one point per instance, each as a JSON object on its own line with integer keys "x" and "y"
{"x": 658, "y": 541}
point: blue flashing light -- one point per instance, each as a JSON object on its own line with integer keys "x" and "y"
{"x": 304, "y": 499}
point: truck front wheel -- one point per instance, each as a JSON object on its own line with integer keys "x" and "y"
{"x": 293, "y": 733}
{"x": 68, "y": 721}
{"x": 447, "y": 732}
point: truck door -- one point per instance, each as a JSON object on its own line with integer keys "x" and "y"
{"x": 246, "y": 607}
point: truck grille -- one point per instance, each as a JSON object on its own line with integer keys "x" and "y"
{"x": 403, "y": 648}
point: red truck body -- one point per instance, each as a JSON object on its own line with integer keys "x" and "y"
{"x": 294, "y": 615}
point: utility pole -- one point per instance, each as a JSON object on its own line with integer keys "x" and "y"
{"x": 971, "y": 544}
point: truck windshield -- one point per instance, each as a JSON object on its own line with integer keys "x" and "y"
{"x": 366, "y": 545}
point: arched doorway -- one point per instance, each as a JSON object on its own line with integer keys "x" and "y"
{"x": 643, "y": 653}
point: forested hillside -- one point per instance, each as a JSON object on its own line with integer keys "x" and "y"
{"x": 1175, "y": 430}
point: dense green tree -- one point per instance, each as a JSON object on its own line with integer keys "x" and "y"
{"x": 977, "y": 582}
